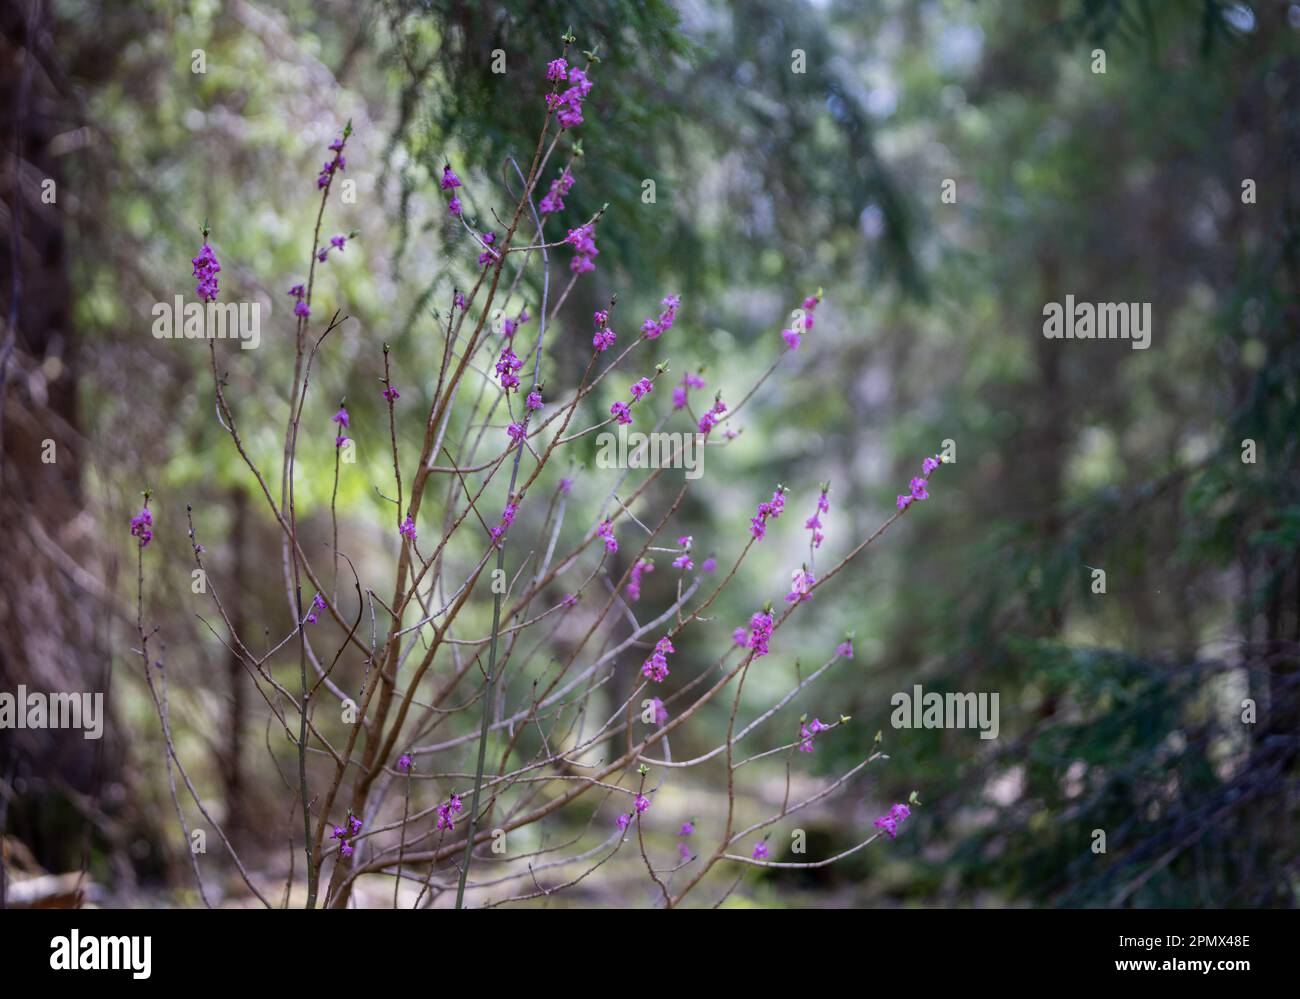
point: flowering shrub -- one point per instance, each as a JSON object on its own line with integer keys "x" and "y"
{"x": 418, "y": 670}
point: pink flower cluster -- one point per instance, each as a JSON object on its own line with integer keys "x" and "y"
{"x": 760, "y": 632}
{"x": 344, "y": 422}
{"x": 449, "y": 183}
{"x": 300, "y": 308}
{"x": 622, "y": 411}
{"x": 318, "y": 604}
{"x": 889, "y": 823}
{"x": 336, "y": 243}
{"x": 605, "y": 335}
{"x": 508, "y": 366}
{"x": 507, "y": 518}
{"x": 337, "y": 163}
{"x": 814, "y": 523}
{"x": 683, "y": 561}
{"x": 407, "y": 530}
{"x": 654, "y": 328}
{"x": 560, "y": 187}
{"x": 711, "y": 416}
{"x": 769, "y": 508}
{"x": 606, "y": 530}
{"x": 689, "y": 381}
{"x": 917, "y": 487}
{"x": 801, "y": 584}
{"x": 583, "y": 241}
{"x": 802, "y": 325}
{"x": 569, "y": 102}
{"x": 634, "y": 580}
{"x": 488, "y": 255}
{"x": 656, "y": 667}
{"x": 142, "y": 526}
{"x": 448, "y": 811}
{"x": 345, "y": 835}
{"x": 806, "y": 732}
{"x": 206, "y": 269}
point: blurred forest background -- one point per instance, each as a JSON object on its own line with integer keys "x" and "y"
{"x": 1121, "y": 712}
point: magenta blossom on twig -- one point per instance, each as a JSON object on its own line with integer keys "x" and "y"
{"x": 890, "y": 823}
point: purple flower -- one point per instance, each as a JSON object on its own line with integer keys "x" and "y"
{"x": 337, "y": 163}
{"x": 710, "y": 564}
{"x": 634, "y": 580}
{"x": 604, "y": 339}
{"x": 317, "y": 604}
{"x": 606, "y": 530}
{"x": 801, "y": 583}
{"x": 889, "y": 823}
{"x": 760, "y": 851}
{"x": 814, "y": 523}
{"x": 206, "y": 269}
{"x": 142, "y": 526}
{"x": 683, "y": 562}
{"x": 301, "y": 308}
{"x": 404, "y": 763}
{"x": 488, "y": 255}
{"x": 391, "y": 394}
{"x": 903, "y": 502}
{"x": 917, "y": 486}
{"x": 661, "y": 713}
{"x": 507, "y": 518}
{"x": 449, "y": 178}
{"x": 569, "y": 103}
{"x": 641, "y": 389}
{"x": 583, "y": 241}
{"x": 806, "y": 733}
{"x": 621, "y": 412}
{"x": 710, "y": 418}
{"x": 341, "y": 418}
{"x": 760, "y": 631}
{"x": 845, "y": 648}
{"x": 507, "y": 367}
{"x": 654, "y": 328}
{"x": 454, "y": 206}
{"x": 448, "y": 811}
{"x": 557, "y": 69}
{"x": 554, "y": 200}
{"x": 688, "y": 829}
{"x": 929, "y": 465}
{"x": 641, "y": 803}
{"x": 772, "y": 508}
{"x": 516, "y": 432}
{"x": 534, "y": 401}
{"x": 622, "y": 821}
{"x": 407, "y": 530}
{"x": 656, "y": 666}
